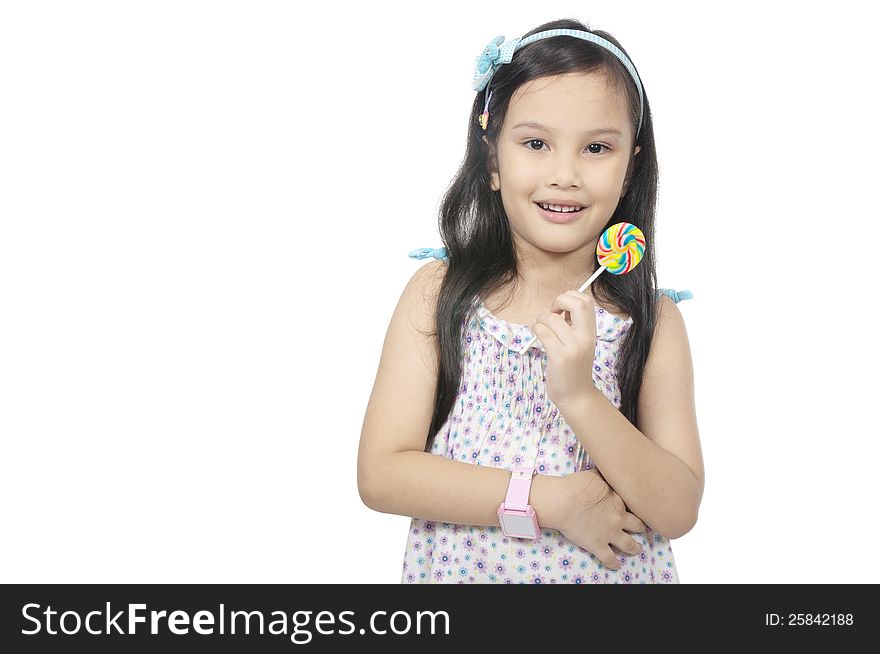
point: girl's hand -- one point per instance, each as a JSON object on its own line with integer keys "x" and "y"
{"x": 595, "y": 518}
{"x": 570, "y": 346}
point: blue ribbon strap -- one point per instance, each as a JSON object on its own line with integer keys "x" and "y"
{"x": 677, "y": 296}
{"x": 424, "y": 253}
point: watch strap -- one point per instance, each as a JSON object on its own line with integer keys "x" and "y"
{"x": 519, "y": 487}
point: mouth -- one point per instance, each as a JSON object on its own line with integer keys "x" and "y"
{"x": 559, "y": 215}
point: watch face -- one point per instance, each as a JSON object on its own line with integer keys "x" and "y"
{"x": 519, "y": 525}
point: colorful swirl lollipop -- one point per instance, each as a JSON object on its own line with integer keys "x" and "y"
{"x": 619, "y": 250}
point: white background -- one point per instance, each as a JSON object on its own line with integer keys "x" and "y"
{"x": 206, "y": 213}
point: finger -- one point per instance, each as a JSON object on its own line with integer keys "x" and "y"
{"x": 608, "y": 558}
{"x": 563, "y": 331}
{"x": 546, "y": 335}
{"x": 585, "y": 311}
{"x": 632, "y": 523}
{"x": 581, "y": 308}
{"x": 628, "y": 544}
{"x": 566, "y": 315}
{"x": 572, "y": 298}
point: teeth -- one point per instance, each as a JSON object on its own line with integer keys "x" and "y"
{"x": 559, "y": 207}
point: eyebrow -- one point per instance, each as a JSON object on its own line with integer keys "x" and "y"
{"x": 600, "y": 130}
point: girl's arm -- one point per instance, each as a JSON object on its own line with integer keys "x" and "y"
{"x": 395, "y": 474}
{"x": 656, "y": 466}
{"x": 423, "y": 485}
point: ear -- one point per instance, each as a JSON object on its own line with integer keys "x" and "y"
{"x": 494, "y": 178}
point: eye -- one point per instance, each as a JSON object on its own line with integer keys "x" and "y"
{"x": 600, "y": 145}
{"x": 530, "y": 141}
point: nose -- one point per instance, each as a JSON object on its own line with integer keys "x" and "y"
{"x": 565, "y": 172}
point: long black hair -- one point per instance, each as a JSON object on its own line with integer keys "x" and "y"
{"x": 475, "y": 230}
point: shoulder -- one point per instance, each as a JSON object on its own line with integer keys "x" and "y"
{"x": 669, "y": 315}
{"x": 422, "y": 290}
{"x": 429, "y": 277}
{"x": 670, "y": 350}
{"x": 414, "y": 321}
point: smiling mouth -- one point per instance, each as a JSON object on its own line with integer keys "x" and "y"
{"x": 560, "y": 214}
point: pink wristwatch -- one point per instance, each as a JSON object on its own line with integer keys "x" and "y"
{"x": 516, "y": 515}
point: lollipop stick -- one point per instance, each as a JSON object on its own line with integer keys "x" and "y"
{"x": 581, "y": 290}
{"x": 591, "y": 279}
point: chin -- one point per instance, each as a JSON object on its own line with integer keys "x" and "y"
{"x": 561, "y": 245}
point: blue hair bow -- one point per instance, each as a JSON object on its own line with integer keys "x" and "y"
{"x": 493, "y": 56}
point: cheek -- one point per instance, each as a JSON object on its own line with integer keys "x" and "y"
{"x": 606, "y": 185}
{"x": 511, "y": 209}
{"x": 518, "y": 173}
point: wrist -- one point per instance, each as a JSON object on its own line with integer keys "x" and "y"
{"x": 548, "y": 500}
{"x": 581, "y": 403}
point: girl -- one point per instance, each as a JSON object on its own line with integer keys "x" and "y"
{"x": 601, "y": 406}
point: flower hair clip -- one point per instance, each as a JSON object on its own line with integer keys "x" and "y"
{"x": 484, "y": 117}
{"x": 493, "y": 56}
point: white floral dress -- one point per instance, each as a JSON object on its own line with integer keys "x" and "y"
{"x": 500, "y": 412}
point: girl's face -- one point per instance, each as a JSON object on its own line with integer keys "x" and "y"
{"x": 567, "y": 154}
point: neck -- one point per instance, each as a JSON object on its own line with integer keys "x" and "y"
{"x": 543, "y": 275}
